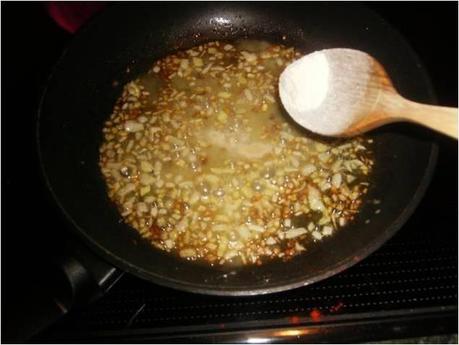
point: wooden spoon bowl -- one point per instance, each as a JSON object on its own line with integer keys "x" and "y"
{"x": 360, "y": 97}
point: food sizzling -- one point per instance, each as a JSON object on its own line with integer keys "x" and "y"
{"x": 202, "y": 160}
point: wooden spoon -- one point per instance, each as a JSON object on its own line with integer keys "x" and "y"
{"x": 345, "y": 92}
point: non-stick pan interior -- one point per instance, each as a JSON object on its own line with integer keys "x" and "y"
{"x": 123, "y": 41}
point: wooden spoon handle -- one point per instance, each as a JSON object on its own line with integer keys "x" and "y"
{"x": 441, "y": 119}
{"x": 394, "y": 108}
{"x": 390, "y": 107}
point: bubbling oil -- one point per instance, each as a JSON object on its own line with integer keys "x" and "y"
{"x": 202, "y": 160}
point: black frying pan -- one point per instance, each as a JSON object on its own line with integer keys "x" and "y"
{"x": 123, "y": 42}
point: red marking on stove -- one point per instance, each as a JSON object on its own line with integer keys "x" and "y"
{"x": 316, "y": 315}
{"x": 221, "y": 325}
{"x": 294, "y": 320}
{"x": 336, "y": 307}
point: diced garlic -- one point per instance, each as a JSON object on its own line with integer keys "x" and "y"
{"x": 198, "y": 62}
{"x": 324, "y": 157}
{"x": 287, "y": 223}
{"x": 133, "y": 126}
{"x": 144, "y": 190}
{"x": 270, "y": 241}
{"x": 321, "y": 147}
{"x": 126, "y": 189}
{"x": 222, "y": 117}
{"x": 182, "y": 225}
{"x": 295, "y": 232}
{"x": 142, "y": 207}
{"x": 149, "y": 199}
{"x": 324, "y": 186}
{"x": 308, "y": 169}
{"x": 244, "y": 232}
{"x": 327, "y": 230}
{"x": 194, "y": 198}
{"x": 249, "y": 57}
{"x": 314, "y": 199}
{"x": 295, "y": 162}
{"x": 317, "y": 235}
{"x": 256, "y": 228}
{"x": 350, "y": 178}
{"x": 248, "y": 94}
{"x": 184, "y": 63}
{"x": 146, "y": 179}
{"x": 169, "y": 244}
{"x": 222, "y": 246}
{"x": 220, "y": 227}
{"x": 336, "y": 180}
{"x": 186, "y": 253}
{"x": 146, "y": 166}
{"x": 299, "y": 247}
{"x": 224, "y": 94}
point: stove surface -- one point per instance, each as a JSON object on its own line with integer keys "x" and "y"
{"x": 406, "y": 288}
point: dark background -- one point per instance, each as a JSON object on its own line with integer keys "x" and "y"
{"x": 32, "y": 229}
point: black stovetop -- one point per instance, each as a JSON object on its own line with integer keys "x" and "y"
{"x": 407, "y": 288}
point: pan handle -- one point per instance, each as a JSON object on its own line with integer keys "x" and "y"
{"x": 70, "y": 281}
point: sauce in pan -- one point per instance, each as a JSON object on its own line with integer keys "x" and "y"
{"x": 202, "y": 160}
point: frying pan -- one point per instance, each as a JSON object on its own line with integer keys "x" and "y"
{"x": 124, "y": 41}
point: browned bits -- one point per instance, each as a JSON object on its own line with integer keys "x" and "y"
{"x": 201, "y": 161}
